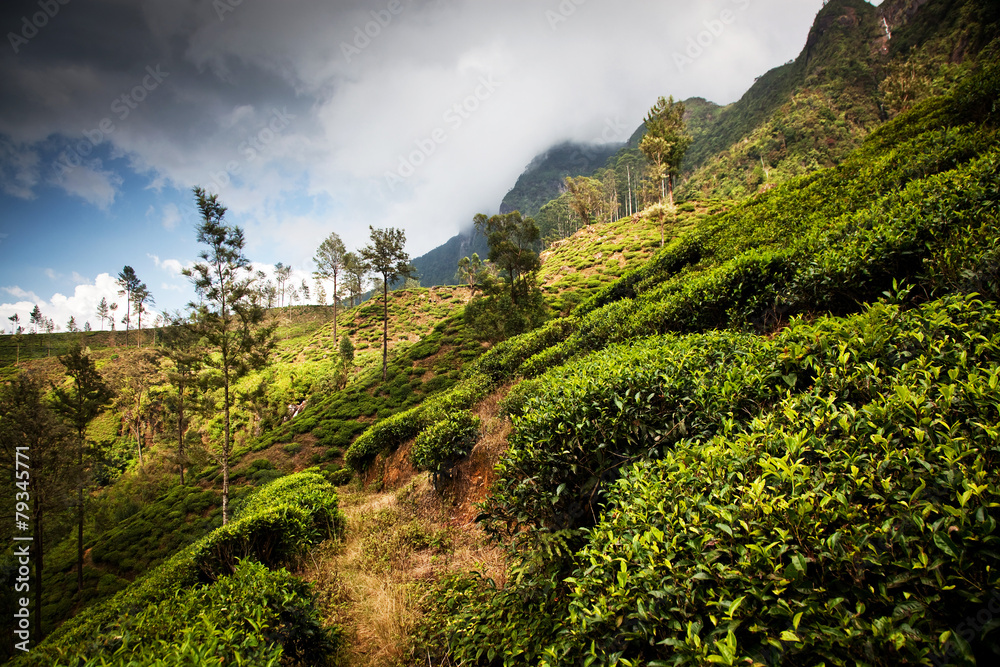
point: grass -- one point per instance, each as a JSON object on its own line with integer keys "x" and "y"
{"x": 373, "y": 583}
{"x": 575, "y": 267}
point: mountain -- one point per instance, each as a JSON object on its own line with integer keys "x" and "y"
{"x": 769, "y": 438}
{"x": 544, "y": 176}
{"x": 438, "y": 266}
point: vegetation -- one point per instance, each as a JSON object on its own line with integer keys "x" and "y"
{"x": 229, "y": 317}
{"x": 386, "y": 257}
{"x": 772, "y": 441}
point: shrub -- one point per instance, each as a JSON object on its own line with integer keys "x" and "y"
{"x": 277, "y": 524}
{"x": 442, "y": 444}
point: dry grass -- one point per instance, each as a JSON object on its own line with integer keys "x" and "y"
{"x": 397, "y": 545}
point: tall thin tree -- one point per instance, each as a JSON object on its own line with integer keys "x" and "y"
{"x": 127, "y": 283}
{"x": 385, "y": 256}
{"x": 79, "y": 404}
{"x": 28, "y": 425}
{"x": 329, "y": 261}
{"x": 102, "y": 311}
{"x": 230, "y": 316}
{"x": 141, "y": 296}
{"x": 665, "y": 144}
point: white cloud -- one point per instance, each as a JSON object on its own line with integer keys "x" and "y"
{"x": 172, "y": 266}
{"x": 91, "y": 183}
{"x": 171, "y": 216}
{"x": 81, "y": 305}
{"x": 19, "y": 169}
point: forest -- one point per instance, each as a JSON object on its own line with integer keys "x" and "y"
{"x": 731, "y": 398}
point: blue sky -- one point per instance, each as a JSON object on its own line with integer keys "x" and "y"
{"x": 309, "y": 118}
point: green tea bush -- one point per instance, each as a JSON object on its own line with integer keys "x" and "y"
{"x": 255, "y": 616}
{"x": 388, "y": 434}
{"x": 276, "y": 526}
{"x": 848, "y": 516}
{"x": 442, "y": 444}
{"x": 579, "y": 423}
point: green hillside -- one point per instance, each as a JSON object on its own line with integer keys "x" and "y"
{"x": 764, "y": 432}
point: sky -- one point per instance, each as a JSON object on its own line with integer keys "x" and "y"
{"x": 309, "y": 117}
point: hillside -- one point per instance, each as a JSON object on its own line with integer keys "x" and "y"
{"x": 763, "y": 433}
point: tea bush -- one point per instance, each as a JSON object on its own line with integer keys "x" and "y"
{"x": 442, "y": 444}
{"x": 275, "y": 526}
{"x": 846, "y": 514}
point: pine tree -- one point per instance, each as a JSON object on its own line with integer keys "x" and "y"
{"x": 79, "y": 404}
{"x": 230, "y": 317}
{"x": 128, "y": 282}
{"x": 665, "y": 144}
{"x": 140, "y": 297}
{"x": 26, "y": 421}
{"x": 102, "y": 311}
{"x": 329, "y": 261}
{"x": 385, "y": 256}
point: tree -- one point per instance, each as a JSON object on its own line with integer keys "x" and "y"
{"x": 304, "y": 291}
{"x": 50, "y": 326}
{"x": 386, "y": 257}
{"x": 513, "y": 304}
{"x": 86, "y": 326}
{"x": 281, "y": 275}
{"x": 180, "y": 342}
{"x": 112, "y": 308}
{"x": 230, "y": 317}
{"x": 128, "y": 282}
{"x": 354, "y": 277}
{"x": 329, "y": 261}
{"x": 512, "y": 241}
{"x": 27, "y": 425}
{"x": 79, "y": 404}
{"x": 319, "y": 290}
{"x": 471, "y": 272}
{"x": 584, "y": 197}
{"x": 37, "y": 319}
{"x": 71, "y": 325}
{"x": 141, "y": 296}
{"x": 131, "y": 376}
{"x": 18, "y": 340}
{"x": 664, "y": 145}
{"x": 347, "y": 351}
{"x": 102, "y": 311}
{"x": 15, "y": 320}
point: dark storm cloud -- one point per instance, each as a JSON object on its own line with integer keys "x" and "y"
{"x": 416, "y": 114}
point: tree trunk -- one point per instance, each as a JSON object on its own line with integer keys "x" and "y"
{"x": 79, "y": 536}
{"x": 385, "y": 326}
{"x": 225, "y": 456}
{"x": 180, "y": 429}
{"x": 334, "y": 308}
